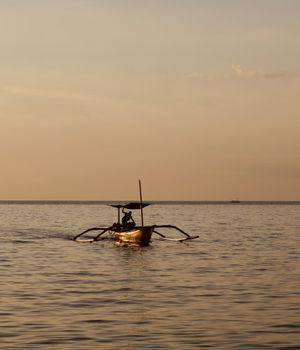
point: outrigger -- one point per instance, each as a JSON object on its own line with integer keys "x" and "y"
{"x": 127, "y": 232}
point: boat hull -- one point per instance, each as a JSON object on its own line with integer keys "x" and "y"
{"x": 137, "y": 235}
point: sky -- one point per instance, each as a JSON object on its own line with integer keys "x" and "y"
{"x": 198, "y": 98}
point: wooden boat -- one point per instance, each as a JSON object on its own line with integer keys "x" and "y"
{"x": 127, "y": 232}
{"x": 138, "y": 235}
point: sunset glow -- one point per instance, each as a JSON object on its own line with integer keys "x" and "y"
{"x": 199, "y": 99}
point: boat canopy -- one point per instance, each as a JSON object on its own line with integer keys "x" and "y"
{"x": 132, "y": 205}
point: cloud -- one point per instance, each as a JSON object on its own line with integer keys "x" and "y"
{"x": 241, "y": 72}
{"x": 201, "y": 76}
{"x": 45, "y": 93}
{"x": 247, "y": 73}
{"x": 197, "y": 76}
{"x": 193, "y": 75}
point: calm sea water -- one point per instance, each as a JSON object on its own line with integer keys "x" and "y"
{"x": 236, "y": 287}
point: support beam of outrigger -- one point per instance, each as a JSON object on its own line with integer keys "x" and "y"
{"x": 104, "y": 229}
{"x": 187, "y": 236}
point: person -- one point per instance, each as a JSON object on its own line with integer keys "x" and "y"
{"x": 127, "y": 219}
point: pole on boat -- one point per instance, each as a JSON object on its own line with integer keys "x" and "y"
{"x": 119, "y": 221}
{"x": 141, "y": 203}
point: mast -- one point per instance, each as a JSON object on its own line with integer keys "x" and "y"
{"x": 119, "y": 221}
{"x": 141, "y": 203}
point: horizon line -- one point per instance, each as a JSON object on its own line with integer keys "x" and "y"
{"x": 104, "y": 201}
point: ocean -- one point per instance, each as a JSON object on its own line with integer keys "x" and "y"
{"x": 236, "y": 287}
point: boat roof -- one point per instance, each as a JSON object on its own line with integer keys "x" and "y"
{"x": 132, "y": 205}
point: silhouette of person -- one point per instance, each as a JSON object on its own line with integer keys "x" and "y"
{"x": 127, "y": 219}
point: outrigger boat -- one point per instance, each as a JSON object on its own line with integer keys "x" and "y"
{"x": 128, "y": 232}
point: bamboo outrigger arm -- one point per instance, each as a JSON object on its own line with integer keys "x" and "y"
{"x": 104, "y": 229}
{"x": 187, "y": 236}
{"x": 152, "y": 228}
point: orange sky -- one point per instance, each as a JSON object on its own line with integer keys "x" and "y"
{"x": 199, "y": 99}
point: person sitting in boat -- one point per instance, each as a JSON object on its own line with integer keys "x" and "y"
{"x": 127, "y": 219}
{"x": 116, "y": 226}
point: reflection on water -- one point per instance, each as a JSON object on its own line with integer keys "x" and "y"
{"x": 236, "y": 287}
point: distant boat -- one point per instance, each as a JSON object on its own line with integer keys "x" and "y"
{"x": 127, "y": 232}
{"x": 235, "y": 201}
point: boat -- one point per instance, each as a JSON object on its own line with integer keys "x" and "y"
{"x": 138, "y": 235}
{"x": 234, "y": 201}
{"x": 126, "y": 232}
